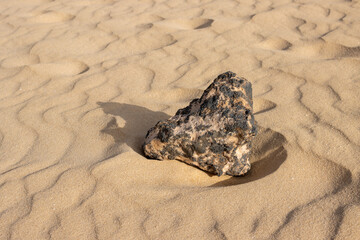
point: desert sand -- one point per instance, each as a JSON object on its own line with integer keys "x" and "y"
{"x": 82, "y": 81}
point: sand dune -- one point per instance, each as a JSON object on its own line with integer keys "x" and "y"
{"x": 82, "y": 81}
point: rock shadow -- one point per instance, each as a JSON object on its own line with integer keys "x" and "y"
{"x": 138, "y": 120}
{"x": 268, "y": 153}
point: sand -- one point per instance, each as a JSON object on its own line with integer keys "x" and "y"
{"x": 82, "y": 81}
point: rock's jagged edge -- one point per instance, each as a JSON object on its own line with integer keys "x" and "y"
{"x": 213, "y": 133}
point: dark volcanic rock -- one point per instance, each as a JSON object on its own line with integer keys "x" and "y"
{"x": 213, "y": 133}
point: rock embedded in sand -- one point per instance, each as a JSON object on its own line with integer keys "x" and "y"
{"x": 213, "y": 133}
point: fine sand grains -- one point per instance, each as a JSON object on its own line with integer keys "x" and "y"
{"x": 82, "y": 81}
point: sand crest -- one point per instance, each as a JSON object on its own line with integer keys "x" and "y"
{"x": 82, "y": 81}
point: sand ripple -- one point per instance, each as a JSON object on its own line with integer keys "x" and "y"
{"x": 82, "y": 81}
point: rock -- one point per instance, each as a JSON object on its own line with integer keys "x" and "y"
{"x": 213, "y": 133}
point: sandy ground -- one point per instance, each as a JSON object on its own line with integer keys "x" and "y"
{"x": 82, "y": 81}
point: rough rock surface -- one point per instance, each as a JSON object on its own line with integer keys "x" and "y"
{"x": 213, "y": 133}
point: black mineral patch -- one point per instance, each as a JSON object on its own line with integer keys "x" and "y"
{"x": 226, "y": 75}
{"x": 230, "y": 127}
{"x": 217, "y": 148}
{"x": 225, "y": 112}
{"x": 210, "y": 103}
{"x": 199, "y": 147}
{"x": 183, "y": 111}
{"x": 164, "y": 133}
{"x": 217, "y": 134}
{"x": 188, "y": 150}
{"x": 226, "y": 91}
{"x": 240, "y": 123}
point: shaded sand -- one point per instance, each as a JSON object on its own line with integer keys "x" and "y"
{"x": 82, "y": 81}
